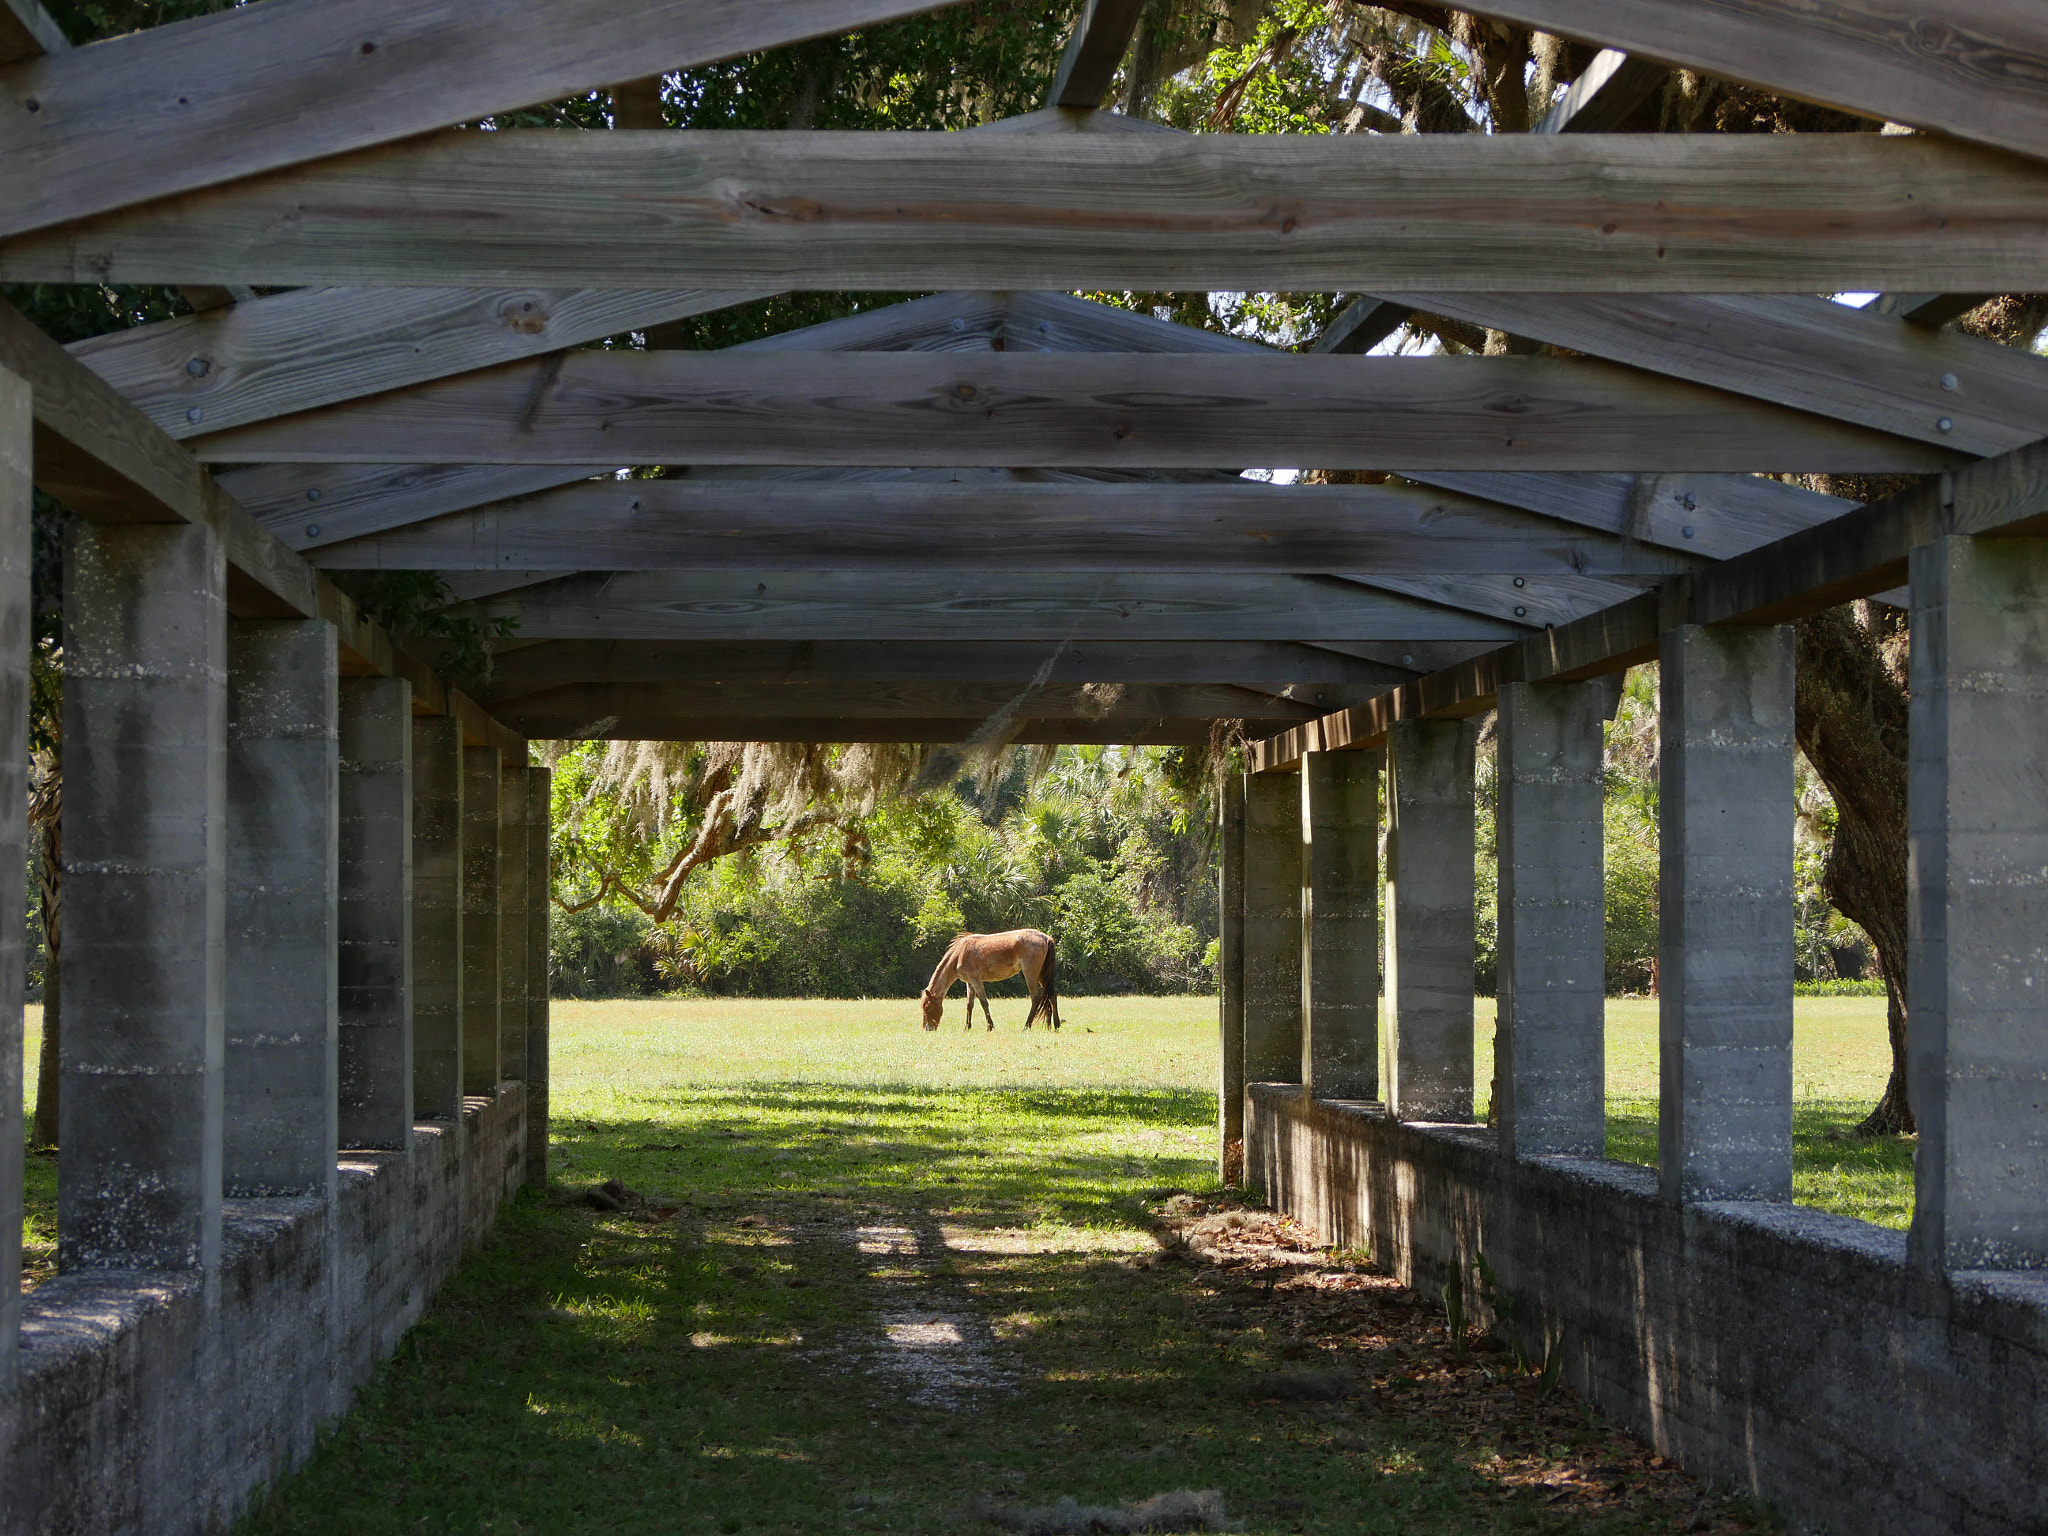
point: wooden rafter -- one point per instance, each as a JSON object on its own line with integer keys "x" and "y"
{"x": 252, "y": 89}
{"x": 1445, "y": 212}
{"x": 1088, "y": 66}
{"x": 1857, "y": 555}
{"x": 1969, "y": 68}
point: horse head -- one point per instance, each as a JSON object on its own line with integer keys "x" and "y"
{"x": 934, "y": 1006}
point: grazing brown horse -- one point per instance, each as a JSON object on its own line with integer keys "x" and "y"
{"x": 976, "y": 958}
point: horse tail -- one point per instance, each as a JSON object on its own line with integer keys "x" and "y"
{"x": 1048, "y": 999}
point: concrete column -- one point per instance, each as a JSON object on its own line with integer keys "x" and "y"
{"x": 1550, "y": 1062}
{"x": 1430, "y": 936}
{"x": 1340, "y": 924}
{"x": 145, "y": 908}
{"x": 374, "y": 937}
{"x": 1230, "y": 971}
{"x": 282, "y": 787}
{"x": 1977, "y": 804}
{"x": 437, "y": 952}
{"x": 1272, "y": 928}
{"x": 16, "y": 499}
{"x": 1725, "y": 905}
{"x": 513, "y": 941}
{"x": 482, "y": 1066}
{"x": 539, "y": 804}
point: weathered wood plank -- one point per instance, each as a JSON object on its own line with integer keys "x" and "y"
{"x": 648, "y": 525}
{"x": 26, "y": 32}
{"x": 952, "y": 731}
{"x": 1612, "y": 86}
{"x": 1530, "y": 601}
{"x": 834, "y": 605}
{"x": 1971, "y": 68}
{"x": 1101, "y": 37}
{"x": 858, "y": 699}
{"x": 1941, "y": 387}
{"x": 251, "y": 89}
{"x": 1059, "y": 322}
{"x": 1439, "y": 212}
{"x": 308, "y": 506}
{"x": 1307, "y": 674}
{"x": 102, "y": 459}
{"x": 1933, "y": 309}
{"x": 1097, "y": 409}
{"x": 1862, "y": 553}
{"x": 311, "y": 347}
{"x": 1713, "y": 516}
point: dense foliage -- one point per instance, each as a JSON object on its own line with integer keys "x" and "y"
{"x": 1108, "y": 849}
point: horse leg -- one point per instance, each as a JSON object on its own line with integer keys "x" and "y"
{"x": 981, "y": 992}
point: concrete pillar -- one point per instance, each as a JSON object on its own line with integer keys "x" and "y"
{"x": 1272, "y": 928}
{"x": 374, "y": 933}
{"x": 1431, "y": 943}
{"x": 1340, "y": 924}
{"x": 513, "y": 941}
{"x": 16, "y": 499}
{"x": 1550, "y": 1062}
{"x": 1977, "y": 803}
{"x": 1725, "y": 906}
{"x": 482, "y": 1066}
{"x": 145, "y": 791}
{"x": 282, "y": 787}
{"x": 437, "y": 952}
{"x": 539, "y": 804}
{"x": 1230, "y": 971}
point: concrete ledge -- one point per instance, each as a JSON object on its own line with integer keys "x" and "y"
{"x": 1772, "y": 1348}
{"x": 156, "y": 1404}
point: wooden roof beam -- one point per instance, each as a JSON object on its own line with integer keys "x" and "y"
{"x": 103, "y": 460}
{"x": 1611, "y": 87}
{"x": 640, "y": 525}
{"x": 1976, "y": 78}
{"x": 1308, "y": 674}
{"x": 253, "y": 89}
{"x": 1101, "y": 37}
{"x": 1109, "y": 410}
{"x": 1860, "y": 554}
{"x": 1479, "y": 213}
{"x": 952, "y": 605}
{"x": 1928, "y": 309}
{"x": 953, "y": 731}
{"x": 27, "y": 32}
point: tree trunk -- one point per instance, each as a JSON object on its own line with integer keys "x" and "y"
{"x": 50, "y": 849}
{"x": 1851, "y": 720}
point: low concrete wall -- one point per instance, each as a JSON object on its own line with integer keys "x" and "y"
{"x": 1771, "y": 1348}
{"x": 156, "y": 1404}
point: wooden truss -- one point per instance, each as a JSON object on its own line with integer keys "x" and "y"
{"x": 1003, "y": 499}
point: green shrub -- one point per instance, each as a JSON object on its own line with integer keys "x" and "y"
{"x": 1869, "y": 986}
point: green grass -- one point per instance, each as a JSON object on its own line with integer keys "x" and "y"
{"x": 716, "y": 1360}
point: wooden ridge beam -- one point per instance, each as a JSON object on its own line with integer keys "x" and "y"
{"x": 649, "y": 525}
{"x": 102, "y": 459}
{"x": 1857, "y": 555}
{"x": 1940, "y": 387}
{"x": 249, "y": 90}
{"x": 1109, "y": 410}
{"x": 1969, "y": 68}
{"x": 801, "y": 210}
{"x": 1035, "y": 606}
{"x": 1307, "y": 674}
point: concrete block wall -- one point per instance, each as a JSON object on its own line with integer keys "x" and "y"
{"x": 1784, "y": 1351}
{"x": 158, "y": 1403}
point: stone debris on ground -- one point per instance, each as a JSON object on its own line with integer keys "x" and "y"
{"x": 612, "y": 1195}
{"x": 1164, "y": 1514}
{"x": 1367, "y": 1351}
